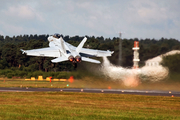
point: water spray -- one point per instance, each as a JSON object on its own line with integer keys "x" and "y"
{"x": 133, "y": 77}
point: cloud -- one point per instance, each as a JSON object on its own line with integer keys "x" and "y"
{"x": 151, "y": 17}
{"x": 8, "y": 28}
{"x": 136, "y": 18}
{"x": 21, "y": 13}
{"x": 18, "y": 18}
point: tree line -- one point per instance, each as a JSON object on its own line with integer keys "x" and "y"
{"x": 12, "y": 57}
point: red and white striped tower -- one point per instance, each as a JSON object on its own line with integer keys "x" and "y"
{"x": 136, "y": 55}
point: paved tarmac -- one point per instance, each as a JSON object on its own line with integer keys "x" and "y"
{"x": 112, "y": 91}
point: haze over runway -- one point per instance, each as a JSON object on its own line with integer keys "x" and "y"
{"x": 135, "y": 18}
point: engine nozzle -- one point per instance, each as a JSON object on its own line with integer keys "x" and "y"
{"x": 78, "y": 59}
{"x": 71, "y": 59}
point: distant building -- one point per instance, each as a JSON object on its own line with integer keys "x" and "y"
{"x": 157, "y": 60}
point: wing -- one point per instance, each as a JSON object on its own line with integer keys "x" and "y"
{"x": 44, "y": 52}
{"x": 90, "y": 60}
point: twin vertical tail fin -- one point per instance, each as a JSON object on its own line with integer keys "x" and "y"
{"x": 62, "y": 45}
{"x": 78, "y": 49}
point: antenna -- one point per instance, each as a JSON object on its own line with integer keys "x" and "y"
{"x": 120, "y": 50}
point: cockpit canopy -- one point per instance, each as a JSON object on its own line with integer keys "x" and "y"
{"x": 56, "y": 35}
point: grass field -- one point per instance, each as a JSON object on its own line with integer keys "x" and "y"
{"x": 86, "y": 106}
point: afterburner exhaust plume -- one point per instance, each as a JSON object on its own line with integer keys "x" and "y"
{"x": 133, "y": 77}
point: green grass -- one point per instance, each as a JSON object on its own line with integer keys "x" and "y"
{"x": 86, "y": 106}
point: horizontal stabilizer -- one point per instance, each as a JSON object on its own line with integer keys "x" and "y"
{"x": 59, "y": 59}
{"x": 90, "y": 60}
{"x": 95, "y": 53}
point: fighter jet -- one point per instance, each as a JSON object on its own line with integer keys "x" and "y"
{"x": 63, "y": 51}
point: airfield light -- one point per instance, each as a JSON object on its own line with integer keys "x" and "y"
{"x": 67, "y": 85}
{"x": 50, "y": 79}
{"x": 71, "y": 79}
{"x": 109, "y": 87}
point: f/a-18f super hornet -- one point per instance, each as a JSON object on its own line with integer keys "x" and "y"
{"x": 63, "y": 51}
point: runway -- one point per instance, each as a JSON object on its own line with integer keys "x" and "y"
{"x": 112, "y": 91}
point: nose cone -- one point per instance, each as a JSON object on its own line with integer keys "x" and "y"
{"x": 50, "y": 38}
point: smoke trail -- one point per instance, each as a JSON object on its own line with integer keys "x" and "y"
{"x": 133, "y": 77}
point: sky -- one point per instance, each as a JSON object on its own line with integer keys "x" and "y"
{"x": 133, "y": 18}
